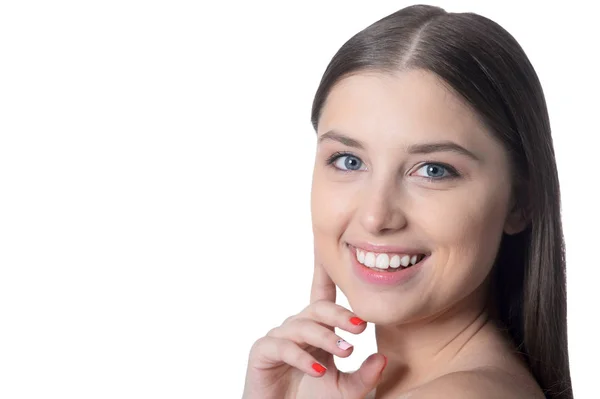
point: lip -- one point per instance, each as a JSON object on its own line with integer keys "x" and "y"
{"x": 387, "y": 249}
{"x": 370, "y": 276}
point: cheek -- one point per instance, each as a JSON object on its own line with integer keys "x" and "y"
{"x": 331, "y": 211}
{"x": 331, "y": 206}
{"x": 464, "y": 218}
{"x": 467, "y": 231}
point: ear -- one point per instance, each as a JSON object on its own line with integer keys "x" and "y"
{"x": 517, "y": 220}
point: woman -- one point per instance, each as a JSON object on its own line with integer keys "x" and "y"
{"x": 435, "y": 209}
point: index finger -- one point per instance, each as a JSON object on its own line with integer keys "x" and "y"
{"x": 323, "y": 287}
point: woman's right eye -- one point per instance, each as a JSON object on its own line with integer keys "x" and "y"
{"x": 345, "y": 162}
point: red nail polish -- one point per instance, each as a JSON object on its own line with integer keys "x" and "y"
{"x": 356, "y": 321}
{"x": 318, "y": 368}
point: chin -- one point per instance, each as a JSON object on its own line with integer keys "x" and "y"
{"x": 377, "y": 310}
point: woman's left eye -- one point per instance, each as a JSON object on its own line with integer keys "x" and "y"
{"x": 436, "y": 171}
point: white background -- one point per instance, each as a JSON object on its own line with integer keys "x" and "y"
{"x": 155, "y": 166}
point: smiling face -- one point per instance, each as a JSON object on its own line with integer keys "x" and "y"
{"x": 378, "y": 181}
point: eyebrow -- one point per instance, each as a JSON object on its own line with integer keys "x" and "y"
{"x": 423, "y": 148}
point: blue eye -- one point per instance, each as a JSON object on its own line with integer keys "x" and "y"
{"x": 345, "y": 161}
{"x": 436, "y": 171}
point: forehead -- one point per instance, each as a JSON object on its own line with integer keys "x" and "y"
{"x": 408, "y": 106}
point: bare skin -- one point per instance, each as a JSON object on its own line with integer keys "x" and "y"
{"x": 435, "y": 329}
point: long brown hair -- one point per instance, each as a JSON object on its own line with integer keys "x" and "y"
{"x": 484, "y": 64}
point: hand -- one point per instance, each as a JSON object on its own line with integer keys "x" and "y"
{"x": 285, "y": 363}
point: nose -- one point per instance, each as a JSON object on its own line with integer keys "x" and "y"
{"x": 380, "y": 212}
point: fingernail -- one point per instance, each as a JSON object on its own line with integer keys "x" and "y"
{"x": 386, "y": 361}
{"x": 343, "y": 344}
{"x": 318, "y": 368}
{"x": 356, "y": 321}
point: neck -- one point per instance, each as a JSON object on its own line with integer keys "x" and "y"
{"x": 422, "y": 350}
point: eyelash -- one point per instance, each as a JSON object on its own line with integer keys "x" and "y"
{"x": 453, "y": 173}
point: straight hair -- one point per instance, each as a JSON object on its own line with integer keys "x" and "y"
{"x": 485, "y": 65}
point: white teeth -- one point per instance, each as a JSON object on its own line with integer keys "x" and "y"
{"x": 405, "y": 260}
{"x": 360, "y": 255}
{"x": 383, "y": 261}
{"x": 370, "y": 259}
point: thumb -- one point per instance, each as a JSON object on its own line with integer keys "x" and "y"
{"x": 365, "y": 379}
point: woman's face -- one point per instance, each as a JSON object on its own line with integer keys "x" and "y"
{"x": 390, "y": 171}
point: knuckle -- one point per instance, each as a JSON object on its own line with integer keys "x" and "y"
{"x": 317, "y": 308}
{"x": 296, "y": 327}
{"x": 273, "y": 332}
{"x": 258, "y": 345}
{"x": 302, "y": 325}
{"x": 306, "y": 310}
{"x": 320, "y": 305}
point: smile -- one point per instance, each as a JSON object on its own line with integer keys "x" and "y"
{"x": 387, "y": 267}
{"x": 386, "y": 261}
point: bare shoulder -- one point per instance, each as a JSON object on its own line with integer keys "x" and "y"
{"x": 488, "y": 383}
